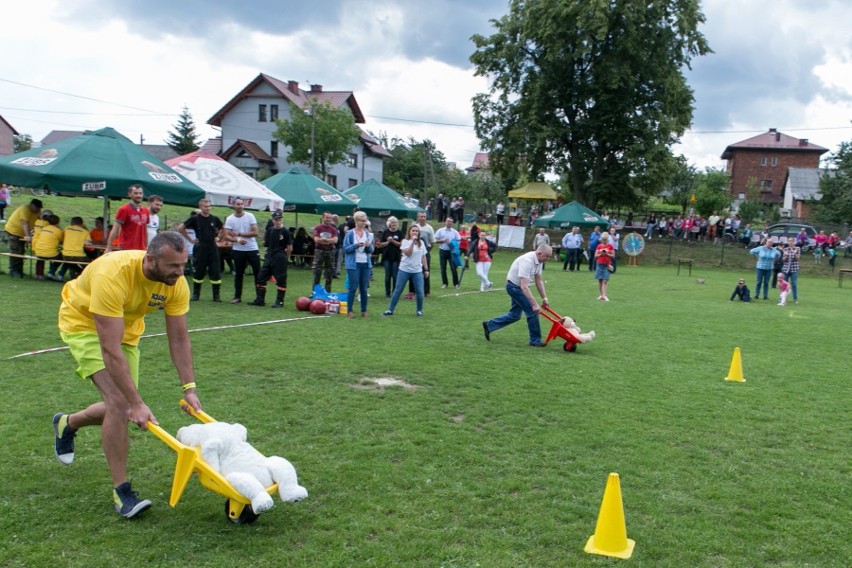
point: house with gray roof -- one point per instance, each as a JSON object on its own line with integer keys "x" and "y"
{"x": 248, "y": 120}
{"x": 801, "y": 191}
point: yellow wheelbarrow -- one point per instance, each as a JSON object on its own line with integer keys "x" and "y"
{"x": 237, "y": 507}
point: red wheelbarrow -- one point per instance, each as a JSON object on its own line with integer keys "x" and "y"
{"x": 559, "y": 330}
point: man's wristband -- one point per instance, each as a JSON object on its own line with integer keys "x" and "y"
{"x": 188, "y": 386}
{"x": 544, "y": 300}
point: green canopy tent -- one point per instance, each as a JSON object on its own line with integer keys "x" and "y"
{"x": 306, "y": 193}
{"x": 572, "y": 215}
{"x": 378, "y": 200}
{"x": 101, "y": 163}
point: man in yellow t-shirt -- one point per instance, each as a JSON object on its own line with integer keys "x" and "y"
{"x": 101, "y": 318}
{"x": 19, "y": 229}
{"x": 46, "y": 243}
{"x": 73, "y": 248}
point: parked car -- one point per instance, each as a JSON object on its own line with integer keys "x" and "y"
{"x": 784, "y": 230}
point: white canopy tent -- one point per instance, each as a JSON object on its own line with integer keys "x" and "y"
{"x": 223, "y": 182}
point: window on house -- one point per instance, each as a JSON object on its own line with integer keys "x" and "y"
{"x": 353, "y": 182}
{"x": 331, "y": 180}
{"x": 766, "y": 185}
{"x": 353, "y": 161}
{"x": 763, "y": 160}
{"x": 774, "y": 161}
{"x": 261, "y": 113}
{"x": 273, "y": 148}
{"x": 273, "y": 113}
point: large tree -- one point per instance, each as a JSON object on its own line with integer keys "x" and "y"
{"x": 319, "y": 135}
{"x": 835, "y": 205}
{"x": 594, "y": 89}
{"x": 184, "y": 139}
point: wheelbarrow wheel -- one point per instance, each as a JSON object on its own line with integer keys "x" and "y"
{"x": 569, "y": 347}
{"x": 247, "y": 516}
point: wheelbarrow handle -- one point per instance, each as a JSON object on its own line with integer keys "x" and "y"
{"x": 199, "y": 415}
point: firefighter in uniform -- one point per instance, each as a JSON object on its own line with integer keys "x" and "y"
{"x": 205, "y": 253}
{"x": 279, "y": 245}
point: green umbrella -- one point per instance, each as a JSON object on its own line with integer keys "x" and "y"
{"x": 572, "y": 215}
{"x": 378, "y": 200}
{"x": 102, "y": 163}
{"x": 306, "y": 193}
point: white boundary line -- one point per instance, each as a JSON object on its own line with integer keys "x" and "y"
{"x": 215, "y": 328}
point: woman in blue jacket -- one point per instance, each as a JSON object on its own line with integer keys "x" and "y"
{"x": 766, "y": 255}
{"x": 358, "y": 247}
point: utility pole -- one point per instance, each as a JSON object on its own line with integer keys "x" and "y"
{"x": 311, "y": 112}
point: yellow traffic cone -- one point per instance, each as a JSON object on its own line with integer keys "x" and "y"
{"x": 735, "y": 373}
{"x": 610, "y": 538}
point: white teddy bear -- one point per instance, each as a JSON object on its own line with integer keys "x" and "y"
{"x": 571, "y": 325}
{"x": 224, "y": 448}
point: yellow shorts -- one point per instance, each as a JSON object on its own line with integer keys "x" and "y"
{"x": 86, "y": 350}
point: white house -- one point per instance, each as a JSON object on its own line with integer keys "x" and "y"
{"x": 247, "y": 122}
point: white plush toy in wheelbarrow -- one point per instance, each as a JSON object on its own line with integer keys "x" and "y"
{"x": 225, "y": 449}
{"x": 571, "y": 325}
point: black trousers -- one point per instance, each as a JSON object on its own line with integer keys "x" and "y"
{"x": 205, "y": 258}
{"x": 572, "y": 259}
{"x": 243, "y": 258}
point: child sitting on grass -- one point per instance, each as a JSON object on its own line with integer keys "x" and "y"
{"x": 742, "y": 291}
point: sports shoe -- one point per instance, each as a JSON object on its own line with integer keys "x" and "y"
{"x": 538, "y": 345}
{"x": 64, "y": 443}
{"x": 236, "y": 301}
{"x": 486, "y": 330}
{"x": 409, "y": 296}
{"x": 604, "y": 298}
{"x": 420, "y": 314}
{"x": 443, "y": 285}
{"x": 257, "y": 302}
{"x": 457, "y": 286}
{"x": 127, "y": 502}
{"x": 387, "y": 313}
{"x": 277, "y": 305}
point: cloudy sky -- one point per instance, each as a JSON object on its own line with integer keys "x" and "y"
{"x": 134, "y": 64}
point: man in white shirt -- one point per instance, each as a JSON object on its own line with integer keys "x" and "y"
{"x": 444, "y": 237}
{"x": 155, "y": 203}
{"x": 241, "y": 229}
{"x": 524, "y": 270}
{"x": 571, "y": 244}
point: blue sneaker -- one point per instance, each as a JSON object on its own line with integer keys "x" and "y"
{"x": 64, "y": 443}
{"x": 127, "y": 502}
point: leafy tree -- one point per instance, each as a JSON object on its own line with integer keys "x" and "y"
{"x": 711, "y": 192}
{"x": 682, "y": 185}
{"x": 184, "y": 140}
{"x": 319, "y": 135}
{"x": 835, "y": 206}
{"x": 593, "y": 89}
{"x": 22, "y": 142}
{"x": 751, "y": 209}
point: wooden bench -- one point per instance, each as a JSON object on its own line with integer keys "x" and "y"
{"x": 684, "y": 261}
{"x": 32, "y": 258}
{"x": 840, "y": 274}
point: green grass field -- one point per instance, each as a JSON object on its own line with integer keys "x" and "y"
{"x": 498, "y": 456}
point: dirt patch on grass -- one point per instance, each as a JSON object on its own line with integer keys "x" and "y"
{"x": 381, "y": 383}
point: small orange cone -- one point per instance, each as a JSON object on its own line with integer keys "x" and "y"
{"x": 610, "y": 538}
{"x": 735, "y": 373}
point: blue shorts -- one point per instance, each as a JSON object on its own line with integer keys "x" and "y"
{"x": 601, "y": 272}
